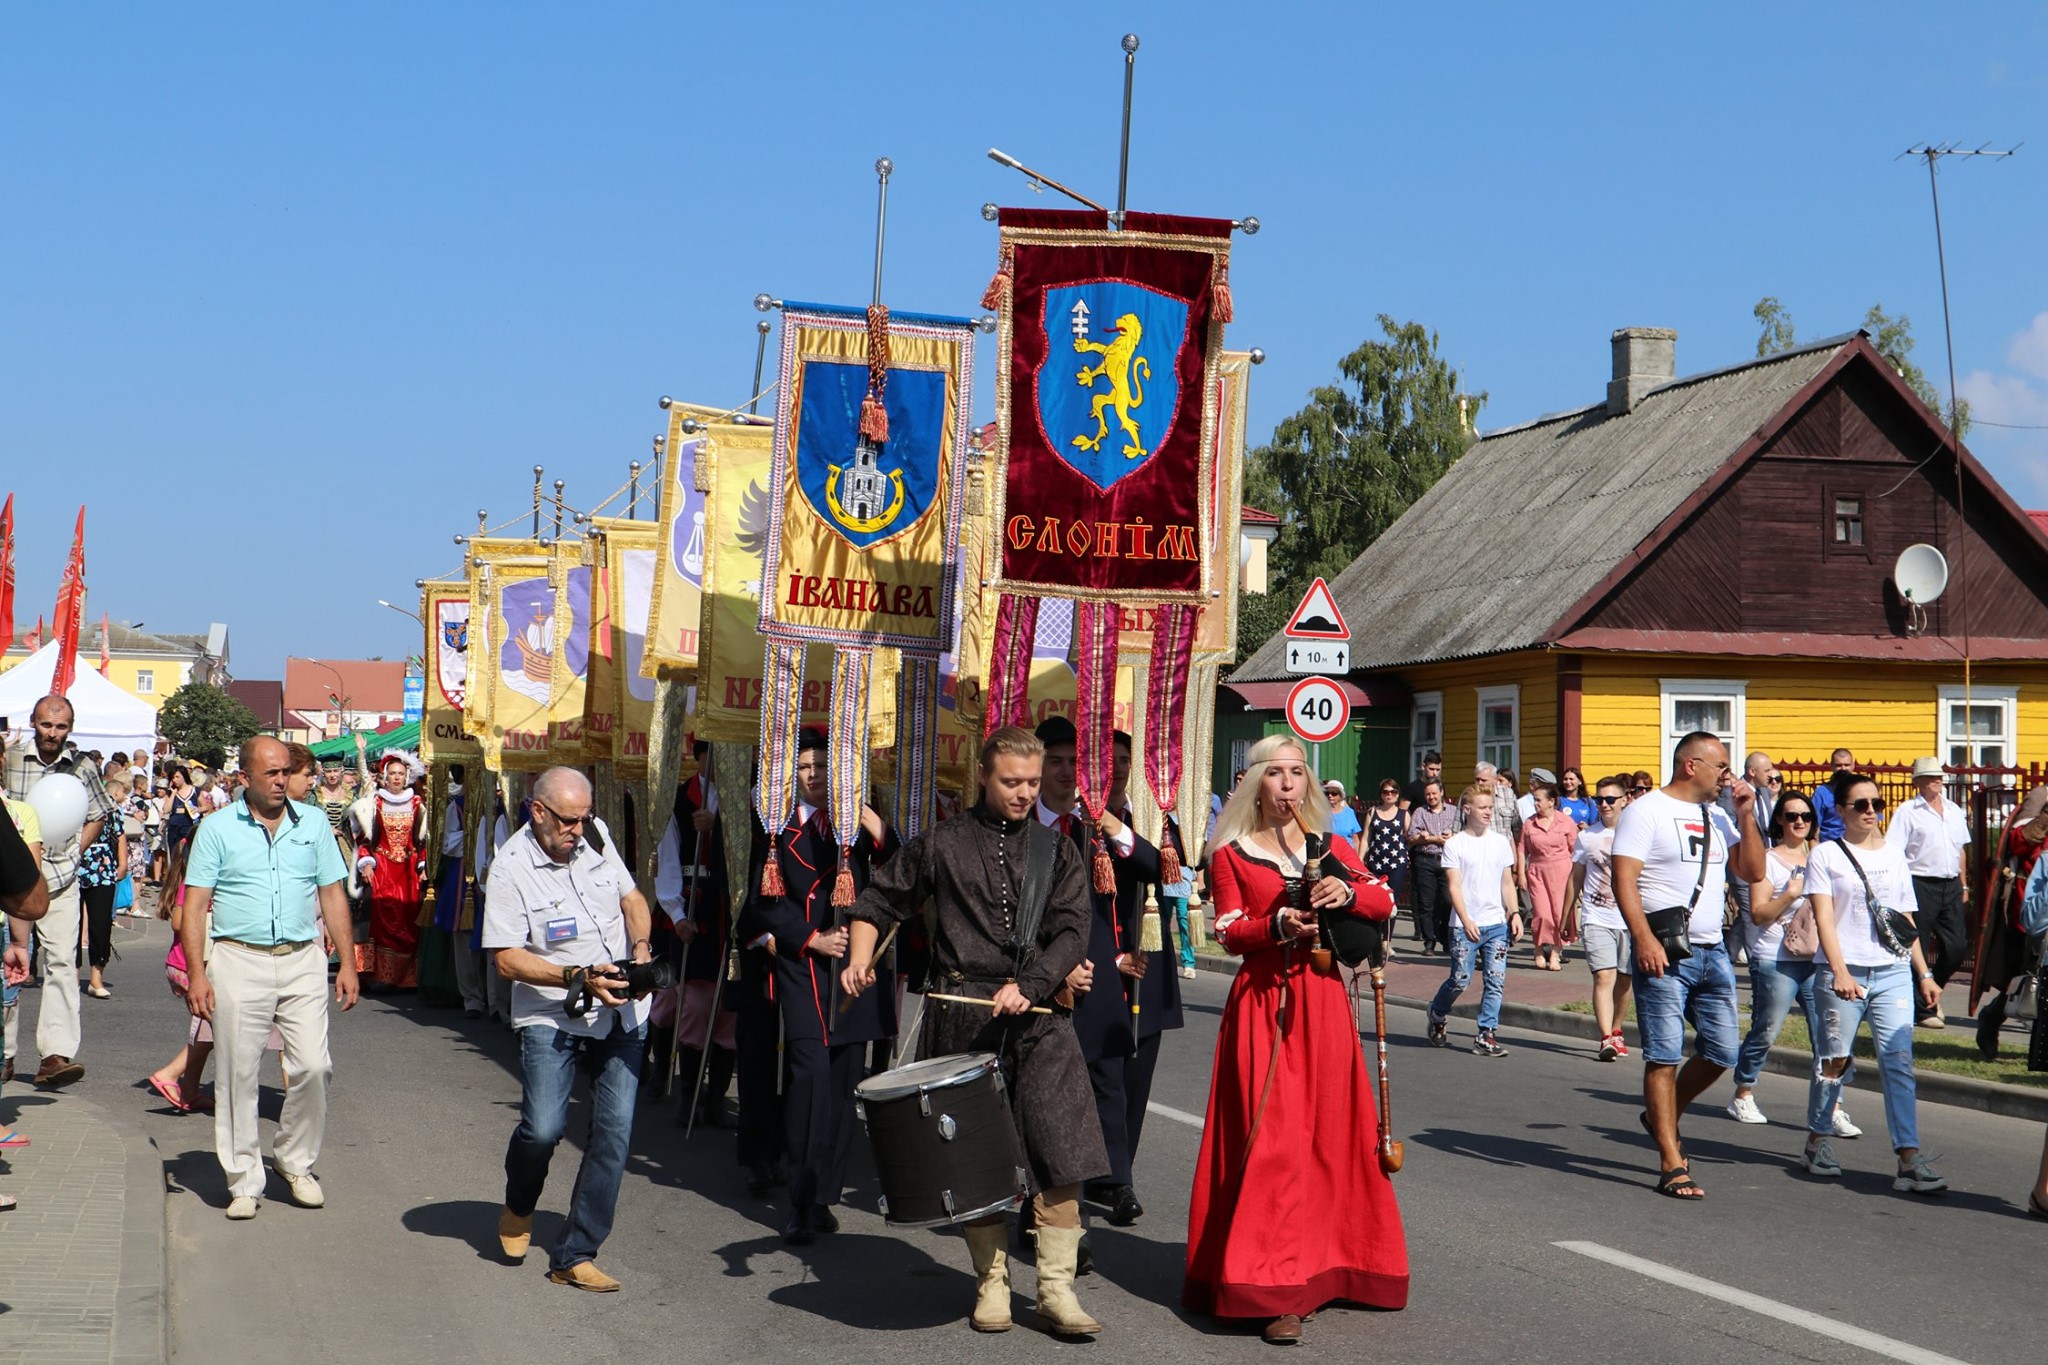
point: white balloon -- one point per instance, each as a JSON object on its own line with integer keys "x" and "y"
{"x": 59, "y": 801}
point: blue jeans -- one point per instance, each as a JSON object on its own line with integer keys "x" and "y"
{"x": 1699, "y": 991}
{"x": 548, "y": 1060}
{"x": 1182, "y": 941}
{"x": 1889, "y": 1006}
{"x": 1773, "y": 987}
{"x": 1492, "y": 951}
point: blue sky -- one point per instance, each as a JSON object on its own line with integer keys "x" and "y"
{"x": 287, "y": 292}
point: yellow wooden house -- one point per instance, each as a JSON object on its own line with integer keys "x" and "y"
{"x": 1715, "y": 553}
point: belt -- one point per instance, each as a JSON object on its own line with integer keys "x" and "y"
{"x": 1930, "y": 877}
{"x": 267, "y": 949}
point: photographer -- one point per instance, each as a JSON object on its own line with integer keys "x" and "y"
{"x": 561, "y": 910}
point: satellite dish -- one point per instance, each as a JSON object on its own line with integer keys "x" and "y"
{"x": 1920, "y": 574}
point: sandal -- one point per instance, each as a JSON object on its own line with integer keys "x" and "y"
{"x": 169, "y": 1091}
{"x": 14, "y": 1139}
{"x": 8, "y": 1203}
{"x": 1678, "y": 1183}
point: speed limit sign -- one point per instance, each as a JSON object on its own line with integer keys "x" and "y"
{"x": 1318, "y": 710}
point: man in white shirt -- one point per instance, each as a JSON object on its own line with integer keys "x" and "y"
{"x": 1674, "y": 850}
{"x": 1479, "y": 868}
{"x": 1932, "y": 832}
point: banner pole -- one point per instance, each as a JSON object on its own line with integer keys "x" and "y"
{"x": 760, "y": 356}
{"x": 1123, "y": 166}
{"x": 536, "y": 501}
{"x": 883, "y": 166}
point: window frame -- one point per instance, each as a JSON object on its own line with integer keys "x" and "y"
{"x": 1829, "y": 547}
{"x": 1511, "y": 693}
{"x": 1430, "y": 703}
{"x": 2005, "y": 697}
{"x": 145, "y": 682}
{"x": 1672, "y": 691}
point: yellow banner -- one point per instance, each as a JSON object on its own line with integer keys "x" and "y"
{"x": 735, "y": 462}
{"x": 444, "y": 608}
{"x": 674, "y": 616}
{"x": 508, "y": 697}
{"x": 600, "y": 713}
{"x": 618, "y": 706}
{"x": 566, "y": 635}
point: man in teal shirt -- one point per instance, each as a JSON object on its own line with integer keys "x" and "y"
{"x": 268, "y": 871}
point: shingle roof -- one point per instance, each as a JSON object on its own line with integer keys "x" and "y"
{"x": 366, "y": 684}
{"x": 1533, "y": 517}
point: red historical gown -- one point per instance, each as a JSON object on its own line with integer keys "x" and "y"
{"x": 1309, "y": 1218}
{"x": 397, "y": 845}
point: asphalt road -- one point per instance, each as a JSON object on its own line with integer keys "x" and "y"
{"x": 1506, "y": 1159}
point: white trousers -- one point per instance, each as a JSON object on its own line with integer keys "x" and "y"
{"x": 251, "y": 992}
{"x": 58, "y": 1033}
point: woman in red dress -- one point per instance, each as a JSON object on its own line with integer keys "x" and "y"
{"x": 1290, "y": 1209}
{"x": 2001, "y": 942}
{"x": 389, "y": 860}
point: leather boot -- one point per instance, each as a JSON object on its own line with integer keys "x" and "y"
{"x": 986, "y": 1242}
{"x": 1059, "y": 1311}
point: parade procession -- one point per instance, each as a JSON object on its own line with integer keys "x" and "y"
{"x": 656, "y": 706}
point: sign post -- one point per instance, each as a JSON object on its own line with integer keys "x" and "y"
{"x": 1318, "y": 642}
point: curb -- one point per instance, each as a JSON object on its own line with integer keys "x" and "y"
{"x": 142, "y": 1298}
{"x": 1935, "y": 1087}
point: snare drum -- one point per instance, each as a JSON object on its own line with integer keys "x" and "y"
{"x": 946, "y": 1150}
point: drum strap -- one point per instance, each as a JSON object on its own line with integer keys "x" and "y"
{"x": 1040, "y": 847}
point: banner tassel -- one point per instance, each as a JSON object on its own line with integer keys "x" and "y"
{"x": 992, "y": 297}
{"x": 771, "y": 871}
{"x": 1169, "y": 864}
{"x": 1222, "y": 310}
{"x": 1105, "y": 870}
{"x": 1149, "y": 939}
{"x": 874, "y": 418}
{"x": 842, "y": 887}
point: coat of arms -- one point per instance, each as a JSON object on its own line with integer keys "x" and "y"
{"x": 1109, "y": 417}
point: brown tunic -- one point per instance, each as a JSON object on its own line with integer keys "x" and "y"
{"x": 971, "y": 869}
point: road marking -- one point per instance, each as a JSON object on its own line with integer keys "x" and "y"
{"x": 1167, "y": 1111}
{"x": 1769, "y": 1308}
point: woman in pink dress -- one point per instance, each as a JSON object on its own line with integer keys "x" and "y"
{"x": 1548, "y": 839}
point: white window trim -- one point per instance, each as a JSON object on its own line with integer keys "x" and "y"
{"x": 1670, "y": 691}
{"x": 1424, "y": 701}
{"x": 1489, "y": 696}
{"x": 145, "y": 681}
{"x": 2006, "y": 697}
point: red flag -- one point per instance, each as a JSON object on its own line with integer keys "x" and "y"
{"x": 106, "y": 659}
{"x": 7, "y": 575}
{"x": 70, "y": 606}
{"x": 35, "y": 637}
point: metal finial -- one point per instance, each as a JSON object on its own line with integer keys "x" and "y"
{"x": 1248, "y": 225}
{"x": 763, "y": 302}
{"x": 419, "y": 582}
{"x": 691, "y": 426}
{"x": 660, "y": 444}
{"x": 559, "y": 485}
{"x": 884, "y": 167}
{"x": 546, "y": 541}
{"x": 762, "y": 327}
{"x": 1130, "y": 43}
{"x": 1258, "y": 355}
{"x": 985, "y": 323}
{"x": 633, "y": 469}
{"x": 537, "y": 470}
{"x": 462, "y": 540}
{"x": 989, "y": 212}
{"x": 667, "y": 402}
{"x": 576, "y": 520}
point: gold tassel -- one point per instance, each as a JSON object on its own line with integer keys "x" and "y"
{"x": 992, "y": 297}
{"x": 1149, "y": 940}
{"x": 874, "y": 418}
{"x": 1169, "y": 864}
{"x": 1105, "y": 871}
{"x": 771, "y": 871}
{"x": 1222, "y": 310}
{"x": 842, "y": 886}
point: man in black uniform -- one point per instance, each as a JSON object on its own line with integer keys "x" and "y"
{"x": 1011, "y": 911}
{"x": 826, "y": 1047}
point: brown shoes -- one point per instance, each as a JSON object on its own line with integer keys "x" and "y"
{"x": 59, "y": 1071}
{"x": 515, "y": 1234}
{"x": 1284, "y": 1330}
{"x": 586, "y": 1275}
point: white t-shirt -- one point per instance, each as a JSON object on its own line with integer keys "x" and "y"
{"x": 1597, "y": 906}
{"x": 1480, "y": 859}
{"x": 1667, "y": 836}
{"x": 1830, "y": 873}
{"x": 1768, "y": 943}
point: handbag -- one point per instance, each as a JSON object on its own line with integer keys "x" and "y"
{"x": 1672, "y": 927}
{"x": 1802, "y": 935}
{"x": 1894, "y": 932}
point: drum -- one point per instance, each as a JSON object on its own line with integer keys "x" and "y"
{"x": 946, "y": 1150}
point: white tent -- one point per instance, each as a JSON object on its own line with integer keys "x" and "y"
{"x": 108, "y": 719}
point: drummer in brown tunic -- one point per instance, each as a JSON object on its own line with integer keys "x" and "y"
{"x": 995, "y": 943}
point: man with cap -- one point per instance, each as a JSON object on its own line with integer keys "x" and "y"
{"x": 1932, "y": 832}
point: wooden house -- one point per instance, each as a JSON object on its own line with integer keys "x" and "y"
{"x": 1705, "y": 553}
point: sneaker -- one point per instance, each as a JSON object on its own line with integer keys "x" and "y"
{"x": 1819, "y": 1159}
{"x": 1439, "y": 1033}
{"x": 1620, "y": 1046}
{"x": 1187, "y": 973}
{"x": 1743, "y": 1110}
{"x": 1930, "y": 1021}
{"x": 242, "y": 1208}
{"x": 1609, "y": 1048}
{"x": 1488, "y": 1046}
{"x": 1919, "y": 1177}
{"x": 306, "y": 1192}
{"x": 1843, "y": 1127}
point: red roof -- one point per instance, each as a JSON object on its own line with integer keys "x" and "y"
{"x": 365, "y": 684}
{"x": 1252, "y": 516}
{"x": 264, "y": 696}
{"x": 1272, "y": 696}
{"x": 2040, "y": 520}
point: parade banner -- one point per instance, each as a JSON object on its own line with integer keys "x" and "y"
{"x": 600, "y": 711}
{"x": 677, "y": 606}
{"x": 444, "y": 607}
{"x": 563, "y": 636}
{"x": 618, "y": 702}
{"x": 508, "y": 699}
{"x": 1108, "y": 351}
{"x": 735, "y": 461}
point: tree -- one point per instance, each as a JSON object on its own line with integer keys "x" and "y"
{"x": 1892, "y": 336}
{"x": 203, "y": 723}
{"x": 1339, "y": 472}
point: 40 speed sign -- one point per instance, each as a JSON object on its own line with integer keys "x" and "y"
{"x": 1318, "y": 710}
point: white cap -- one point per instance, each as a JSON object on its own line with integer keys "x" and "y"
{"x": 1332, "y": 782}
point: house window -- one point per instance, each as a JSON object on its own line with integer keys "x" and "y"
{"x": 1980, "y": 731}
{"x": 1849, "y": 521}
{"x": 1843, "y": 532}
{"x": 1717, "y": 705}
{"x": 1425, "y": 728}
{"x": 145, "y": 681}
{"x": 1500, "y": 725}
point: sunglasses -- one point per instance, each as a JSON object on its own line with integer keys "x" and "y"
{"x": 1804, "y": 817}
{"x": 566, "y": 821}
{"x": 1867, "y": 805}
{"x": 1638, "y": 791}
{"x": 1606, "y": 800}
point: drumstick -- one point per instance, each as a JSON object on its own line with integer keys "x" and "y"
{"x": 875, "y": 957}
{"x": 977, "y": 1000}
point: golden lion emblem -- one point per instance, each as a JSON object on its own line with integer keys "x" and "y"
{"x": 1125, "y": 370}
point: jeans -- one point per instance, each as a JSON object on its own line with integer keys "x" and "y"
{"x": 1432, "y": 899}
{"x": 1888, "y": 1004}
{"x": 1181, "y": 939}
{"x": 1699, "y": 991}
{"x": 548, "y": 1061}
{"x": 1773, "y": 987}
{"x": 1491, "y": 950}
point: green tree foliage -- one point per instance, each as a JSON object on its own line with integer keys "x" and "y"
{"x": 1776, "y": 321}
{"x": 203, "y": 723}
{"x": 1892, "y": 336}
{"x": 1339, "y": 472}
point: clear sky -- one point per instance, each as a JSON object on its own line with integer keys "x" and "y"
{"x": 287, "y": 292}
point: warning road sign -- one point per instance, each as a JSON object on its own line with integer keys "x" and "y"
{"x": 1317, "y": 618}
{"x": 1318, "y": 710}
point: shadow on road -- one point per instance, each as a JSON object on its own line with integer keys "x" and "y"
{"x": 842, "y": 1270}
{"x": 475, "y": 1222}
{"x": 1506, "y": 1150}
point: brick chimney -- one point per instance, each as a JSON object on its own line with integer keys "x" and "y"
{"x": 1644, "y": 358}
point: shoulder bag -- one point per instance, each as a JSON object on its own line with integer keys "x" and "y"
{"x": 1672, "y": 926}
{"x": 1894, "y": 932}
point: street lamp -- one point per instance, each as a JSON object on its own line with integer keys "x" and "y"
{"x": 400, "y": 610}
{"x": 337, "y": 697}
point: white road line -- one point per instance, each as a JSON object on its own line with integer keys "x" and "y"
{"x": 1167, "y": 1111}
{"x": 1769, "y": 1308}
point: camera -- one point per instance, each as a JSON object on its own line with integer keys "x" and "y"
{"x": 639, "y": 979}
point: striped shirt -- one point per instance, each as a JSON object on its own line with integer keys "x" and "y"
{"x": 23, "y": 770}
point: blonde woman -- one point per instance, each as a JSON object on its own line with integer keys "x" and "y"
{"x": 1290, "y": 1211}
